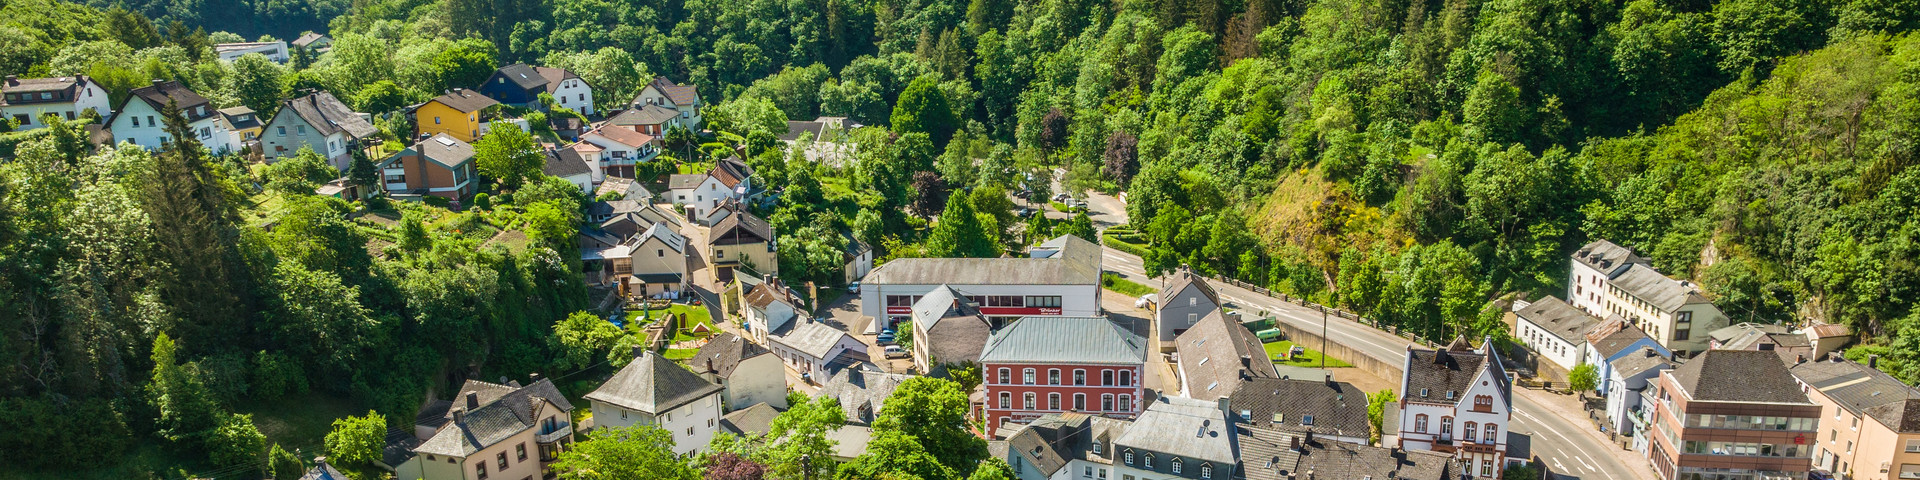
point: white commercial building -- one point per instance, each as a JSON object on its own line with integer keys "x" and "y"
{"x": 1554, "y": 330}
{"x": 1608, "y": 280}
{"x": 1058, "y": 278}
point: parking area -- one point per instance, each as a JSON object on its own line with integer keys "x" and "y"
{"x": 844, "y": 314}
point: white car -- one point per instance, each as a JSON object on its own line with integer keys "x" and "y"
{"x": 1145, "y": 300}
{"x": 894, "y": 351}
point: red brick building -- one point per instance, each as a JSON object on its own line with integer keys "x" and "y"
{"x": 1041, "y": 365}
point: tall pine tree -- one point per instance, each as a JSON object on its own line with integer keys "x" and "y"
{"x": 195, "y": 233}
{"x": 960, "y": 233}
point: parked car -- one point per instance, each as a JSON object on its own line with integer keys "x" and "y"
{"x": 894, "y": 351}
{"x": 1060, "y": 197}
{"x": 885, "y": 338}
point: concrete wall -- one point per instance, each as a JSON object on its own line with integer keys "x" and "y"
{"x": 1311, "y": 339}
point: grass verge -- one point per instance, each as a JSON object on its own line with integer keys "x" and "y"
{"x": 1113, "y": 282}
{"x": 1309, "y": 358}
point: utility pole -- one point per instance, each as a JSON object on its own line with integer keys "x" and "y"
{"x": 1323, "y": 337}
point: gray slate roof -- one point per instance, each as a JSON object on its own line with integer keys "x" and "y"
{"x": 862, "y": 387}
{"x": 653, "y": 384}
{"x": 1901, "y": 416}
{"x": 1607, "y": 256}
{"x": 1738, "y": 376}
{"x": 754, "y": 420}
{"x": 523, "y": 75}
{"x": 1650, "y": 286}
{"x": 1183, "y": 278}
{"x": 328, "y": 115}
{"x": 795, "y": 128}
{"x": 445, "y": 150}
{"x": 1337, "y": 408}
{"x": 1216, "y": 355}
{"x": 1266, "y": 454}
{"x": 1859, "y": 389}
{"x": 1743, "y": 336}
{"x": 643, "y": 115}
{"x": 723, "y": 354}
{"x": 1077, "y": 264}
{"x": 565, "y": 162}
{"x": 1328, "y": 459}
{"x": 1065, "y": 340}
{"x": 308, "y": 39}
{"x": 955, "y": 330}
{"x": 160, "y": 93}
{"x": 813, "y": 338}
{"x": 751, "y": 229}
{"x": 1561, "y": 319}
{"x": 685, "y": 181}
{"x": 679, "y": 94}
{"x": 1185, "y": 427}
{"x": 1635, "y": 364}
{"x": 465, "y": 100}
{"x": 1441, "y": 371}
{"x": 503, "y": 412}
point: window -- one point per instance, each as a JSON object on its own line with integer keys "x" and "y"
{"x": 24, "y": 120}
{"x": 1126, "y": 378}
{"x": 300, "y": 129}
{"x": 1176, "y": 465}
{"x": 1053, "y": 401}
{"x": 1087, "y": 471}
{"x": 503, "y": 461}
{"x": 1097, "y": 443}
{"x": 1147, "y": 462}
{"x": 1026, "y": 401}
{"x": 1006, "y": 376}
{"x": 1129, "y": 457}
{"x": 1486, "y": 468}
{"x": 1026, "y": 376}
{"x": 521, "y": 451}
{"x": 282, "y": 130}
{"x": 152, "y": 123}
{"x": 1106, "y": 402}
{"x": 1493, "y": 433}
{"x": 1079, "y": 377}
{"x": 1106, "y": 378}
{"x": 1206, "y": 471}
{"x": 660, "y": 252}
{"x": 1682, "y": 334}
{"x": 1053, "y": 376}
{"x": 1446, "y": 427}
{"x": 1420, "y": 423}
{"x": 136, "y": 121}
{"x": 1043, "y": 301}
{"x": 1126, "y": 403}
{"x": 1913, "y": 446}
{"x": 1470, "y": 430}
{"x": 479, "y": 470}
{"x": 1193, "y": 318}
{"x": 1483, "y": 403}
{"x": 1080, "y": 403}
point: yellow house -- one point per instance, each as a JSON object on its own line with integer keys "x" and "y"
{"x": 456, "y": 114}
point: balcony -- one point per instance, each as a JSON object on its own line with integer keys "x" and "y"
{"x": 555, "y": 433}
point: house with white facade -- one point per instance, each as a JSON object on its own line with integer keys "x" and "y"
{"x": 729, "y": 179}
{"x": 567, "y": 164}
{"x": 1627, "y": 377}
{"x": 684, "y": 100}
{"x": 1609, "y": 280}
{"x": 275, "y": 50}
{"x": 750, "y": 374}
{"x": 138, "y": 121}
{"x": 769, "y": 308}
{"x": 1614, "y": 340}
{"x": 648, "y": 264}
{"x": 620, "y": 149}
{"x": 1060, "y": 277}
{"x": 1178, "y": 438}
{"x": 490, "y": 430}
{"x": 858, "y": 258}
{"x": 815, "y": 349}
{"x": 26, "y": 100}
{"x": 1457, "y": 401}
{"x": 655, "y": 391}
{"x": 1554, "y": 330}
{"x": 319, "y": 121}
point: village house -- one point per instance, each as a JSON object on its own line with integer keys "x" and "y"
{"x": 620, "y": 149}
{"x": 138, "y": 121}
{"x": 319, "y": 121}
{"x": 314, "y": 42}
{"x": 624, "y": 218}
{"x": 1061, "y": 446}
{"x": 1875, "y": 429}
{"x": 456, "y": 113}
{"x": 1613, "y": 340}
{"x": 683, "y": 100}
{"x": 440, "y": 165}
{"x": 652, "y": 120}
{"x": 242, "y": 124}
{"x": 749, "y": 373}
{"x": 1456, "y": 401}
{"x": 1554, "y": 330}
{"x": 948, "y": 329}
{"x": 861, "y": 389}
{"x": 859, "y": 259}
{"x": 1322, "y": 407}
{"x": 624, "y": 188}
{"x": 1779, "y": 339}
{"x": 655, "y": 391}
{"x": 521, "y": 85}
{"x": 815, "y": 349}
{"x": 1182, "y": 303}
{"x": 26, "y": 100}
{"x": 1178, "y": 437}
{"x": 275, "y": 50}
{"x": 1217, "y": 355}
{"x": 1733, "y": 414}
{"x": 729, "y": 179}
{"x": 769, "y": 308}
{"x": 823, "y": 139}
{"x": 1610, "y": 280}
{"x": 648, "y": 264}
{"x": 742, "y": 241}
{"x": 491, "y": 430}
{"x": 1060, "y": 277}
{"x": 1627, "y": 378}
{"x": 567, "y": 164}
{"x": 1041, "y": 365}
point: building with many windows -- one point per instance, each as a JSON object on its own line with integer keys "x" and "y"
{"x": 1870, "y": 421}
{"x": 1041, "y": 365}
{"x": 1457, "y": 401}
{"x": 1554, "y": 329}
{"x": 1177, "y": 438}
{"x": 1060, "y": 277}
{"x": 652, "y": 390}
{"x": 26, "y": 100}
{"x": 1732, "y": 415}
{"x": 491, "y": 430}
{"x": 1608, "y": 281}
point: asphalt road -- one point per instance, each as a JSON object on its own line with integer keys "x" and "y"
{"x": 1569, "y": 447}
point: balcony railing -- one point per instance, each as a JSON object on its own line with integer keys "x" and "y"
{"x": 554, "y": 434}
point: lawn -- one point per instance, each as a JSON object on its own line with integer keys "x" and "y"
{"x": 695, "y": 316}
{"x": 679, "y": 354}
{"x": 1310, "y": 358}
{"x": 1123, "y": 286}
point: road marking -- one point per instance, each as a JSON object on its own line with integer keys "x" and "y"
{"x": 1566, "y": 440}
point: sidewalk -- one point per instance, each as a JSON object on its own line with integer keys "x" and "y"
{"x": 1568, "y": 408}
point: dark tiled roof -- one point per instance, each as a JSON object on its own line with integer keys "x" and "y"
{"x": 1560, "y": 319}
{"x": 751, "y": 230}
{"x": 1183, "y": 278}
{"x": 503, "y": 412}
{"x": 862, "y": 388}
{"x": 1216, "y": 355}
{"x": 754, "y": 420}
{"x": 1901, "y": 416}
{"x": 554, "y": 76}
{"x": 1266, "y": 454}
{"x": 523, "y": 75}
{"x": 1337, "y": 408}
{"x": 465, "y": 100}
{"x": 308, "y": 39}
{"x": 796, "y": 128}
{"x": 1439, "y": 371}
{"x": 1613, "y": 343}
{"x": 685, "y": 181}
{"x": 731, "y": 172}
{"x": 1606, "y": 256}
{"x": 724, "y": 353}
{"x": 327, "y": 115}
{"x": 1855, "y": 387}
{"x": 643, "y": 115}
{"x": 766, "y": 293}
{"x": 1738, "y": 376}
{"x": 1065, "y": 340}
{"x": 1078, "y": 263}
{"x": 565, "y": 162}
{"x": 1329, "y": 459}
{"x": 240, "y": 118}
{"x": 653, "y": 384}
{"x": 50, "y": 84}
{"x": 159, "y": 94}
{"x": 682, "y": 95}
{"x": 1637, "y": 363}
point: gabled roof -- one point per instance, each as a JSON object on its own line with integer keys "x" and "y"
{"x": 1857, "y": 388}
{"x": 447, "y": 151}
{"x": 1606, "y": 257}
{"x": 1194, "y": 429}
{"x": 754, "y": 420}
{"x": 724, "y": 353}
{"x": 1078, "y": 263}
{"x": 740, "y": 228}
{"x": 685, "y": 181}
{"x": 643, "y": 115}
{"x": 1901, "y": 416}
{"x": 503, "y": 411}
{"x": 812, "y": 338}
{"x": 796, "y": 128}
{"x": 654, "y": 385}
{"x": 34, "y": 85}
{"x": 1217, "y": 354}
{"x": 1650, "y": 286}
{"x": 160, "y": 93}
{"x": 565, "y": 162}
{"x": 1183, "y": 278}
{"x": 623, "y": 186}
{"x": 464, "y": 100}
{"x": 1611, "y": 344}
{"x": 955, "y": 330}
{"x": 1065, "y": 340}
{"x": 1560, "y": 319}
{"x": 1438, "y": 372}
{"x": 1330, "y": 459}
{"x": 554, "y": 76}
{"x": 622, "y": 135}
{"x": 731, "y": 172}
{"x": 1742, "y": 336}
{"x": 660, "y": 231}
{"x": 522, "y": 75}
{"x": 682, "y": 95}
{"x": 326, "y": 114}
{"x": 240, "y": 118}
{"x": 308, "y": 39}
{"x": 1634, "y": 364}
{"x": 1749, "y": 376}
{"x": 764, "y": 294}
{"x": 1319, "y": 406}
{"x": 860, "y": 388}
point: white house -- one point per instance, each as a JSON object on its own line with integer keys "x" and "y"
{"x": 319, "y": 121}
{"x": 750, "y": 373}
{"x": 1609, "y": 280}
{"x": 139, "y": 122}
{"x": 274, "y": 50}
{"x": 655, "y": 391}
{"x": 1629, "y": 376}
{"x": 620, "y": 149}
{"x": 1554, "y": 329}
{"x": 769, "y": 307}
{"x": 1613, "y": 340}
{"x": 683, "y": 99}
{"x": 567, "y": 164}
{"x": 729, "y": 179}
{"x": 813, "y": 348}
{"x": 1457, "y": 401}
{"x": 1184, "y": 300}
{"x": 26, "y": 100}
{"x": 1060, "y": 277}
{"x": 859, "y": 258}
{"x": 568, "y": 90}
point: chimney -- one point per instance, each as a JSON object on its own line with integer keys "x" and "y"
{"x": 1649, "y": 352}
{"x": 459, "y": 415}
{"x": 1873, "y": 361}
{"x": 710, "y": 368}
{"x": 1295, "y": 444}
{"x": 1226, "y": 406}
{"x": 533, "y": 378}
{"x": 157, "y": 82}
{"x": 1799, "y": 359}
{"x": 1246, "y": 361}
{"x": 639, "y": 352}
{"x": 473, "y": 400}
{"x": 319, "y": 462}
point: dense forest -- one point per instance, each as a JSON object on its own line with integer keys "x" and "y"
{"x": 1412, "y": 160}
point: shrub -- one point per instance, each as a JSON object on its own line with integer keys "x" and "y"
{"x": 236, "y": 442}
{"x": 482, "y": 201}
{"x": 435, "y": 200}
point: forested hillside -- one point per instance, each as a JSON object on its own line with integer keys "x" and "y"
{"x": 1411, "y": 160}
